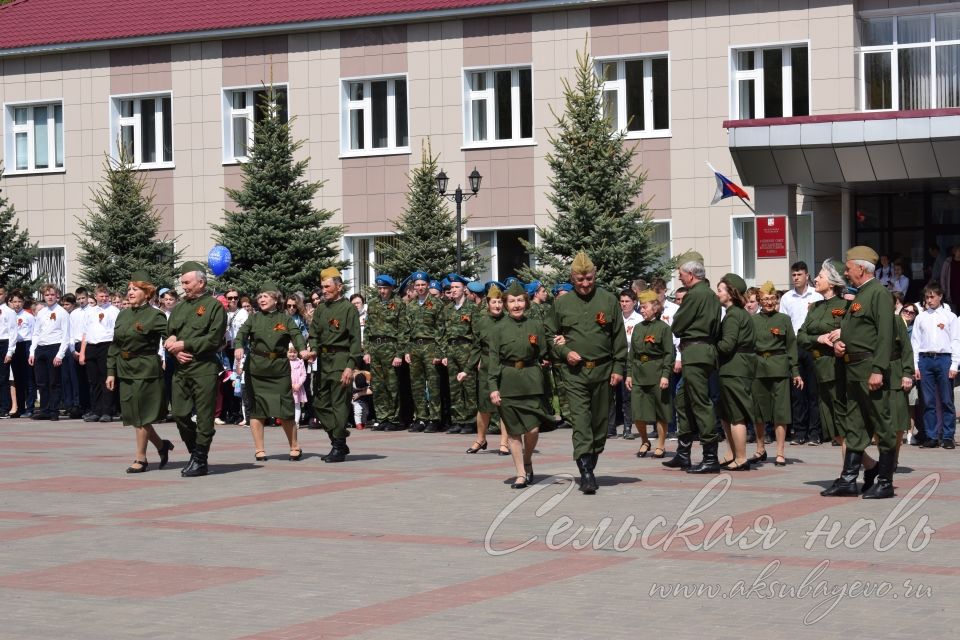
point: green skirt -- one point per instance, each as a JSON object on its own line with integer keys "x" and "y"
{"x": 272, "y": 397}
{"x": 650, "y": 404}
{"x": 523, "y": 414}
{"x": 736, "y": 400}
{"x": 142, "y": 401}
{"x": 899, "y": 410}
{"x": 771, "y": 398}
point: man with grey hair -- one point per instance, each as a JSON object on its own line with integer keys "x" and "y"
{"x": 697, "y": 326}
{"x": 196, "y": 332}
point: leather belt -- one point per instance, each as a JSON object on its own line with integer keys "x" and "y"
{"x": 773, "y": 352}
{"x": 518, "y": 364}
{"x": 647, "y": 357}
{"x": 687, "y": 342}
{"x": 126, "y": 355}
{"x": 593, "y": 364}
{"x": 932, "y": 354}
{"x": 334, "y": 349}
{"x": 381, "y": 339}
{"x": 860, "y": 356}
{"x": 270, "y": 355}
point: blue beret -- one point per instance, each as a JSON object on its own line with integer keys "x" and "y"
{"x": 419, "y": 275}
{"x": 435, "y": 285}
{"x": 490, "y": 283}
{"x": 533, "y": 287}
{"x": 509, "y": 281}
{"x": 386, "y": 281}
{"x": 563, "y": 286}
{"x": 475, "y": 287}
{"x": 445, "y": 284}
{"x": 456, "y": 277}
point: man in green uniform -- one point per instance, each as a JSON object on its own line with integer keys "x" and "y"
{"x": 865, "y": 344}
{"x": 195, "y": 333}
{"x": 697, "y": 325}
{"x": 383, "y": 351}
{"x": 422, "y": 325}
{"x": 586, "y": 333}
{"x": 335, "y": 337}
{"x": 457, "y": 343}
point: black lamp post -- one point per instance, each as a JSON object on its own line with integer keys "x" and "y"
{"x": 458, "y": 197}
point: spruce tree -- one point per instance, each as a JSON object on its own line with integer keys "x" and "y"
{"x": 276, "y": 233}
{"x": 427, "y": 230}
{"x": 17, "y": 253}
{"x": 120, "y": 233}
{"x": 596, "y": 195}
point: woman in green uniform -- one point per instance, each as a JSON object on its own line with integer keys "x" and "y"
{"x": 487, "y": 323}
{"x": 133, "y": 366}
{"x": 517, "y": 349}
{"x": 650, "y": 359}
{"x": 736, "y": 352}
{"x": 268, "y": 334}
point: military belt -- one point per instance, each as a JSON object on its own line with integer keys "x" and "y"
{"x": 422, "y": 340}
{"x": 686, "y": 343}
{"x": 647, "y": 357}
{"x": 860, "y": 356}
{"x": 270, "y": 355}
{"x": 518, "y": 364}
{"x": 127, "y": 355}
{"x": 381, "y": 339}
{"x": 816, "y": 353}
{"x": 773, "y": 352}
{"x": 334, "y": 349}
{"x": 593, "y": 364}
{"x": 461, "y": 341}
{"x": 749, "y": 350}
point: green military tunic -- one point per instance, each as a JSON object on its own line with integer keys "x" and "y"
{"x": 200, "y": 323}
{"x": 823, "y": 317}
{"x": 516, "y": 349}
{"x": 485, "y": 325}
{"x": 134, "y": 360}
{"x": 651, "y": 358}
{"x": 267, "y": 335}
{"x": 593, "y": 327}
{"x": 736, "y": 351}
{"x": 457, "y": 344}
{"x": 382, "y": 340}
{"x": 422, "y": 328}
{"x": 696, "y": 324}
{"x": 867, "y": 334}
{"x": 777, "y": 362}
{"x": 335, "y": 338}
{"x": 901, "y": 366}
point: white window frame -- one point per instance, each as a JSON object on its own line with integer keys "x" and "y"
{"x": 117, "y": 121}
{"x": 895, "y": 48}
{"x": 229, "y": 113}
{"x": 348, "y": 252}
{"x": 494, "y": 265}
{"x": 669, "y": 223}
{"x": 365, "y": 105}
{"x": 737, "y": 246}
{"x": 620, "y": 86}
{"x": 489, "y": 96}
{"x": 757, "y": 76}
{"x": 11, "y": 130}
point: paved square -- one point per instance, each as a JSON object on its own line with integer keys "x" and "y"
{"x": 411, "y": 538}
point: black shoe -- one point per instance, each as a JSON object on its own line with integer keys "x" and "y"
{"x": 53, "y": 417}
{"x": 143, "y": 467}
{"x": 870, "y": 477}
{"x": 710, "y": 464}
{"x": 390, "y": 426}
{"x": 629, "y": 436}
{"x": 339, "y": 451}
{"x": 164, "y": 452}
{"x": 477, "y": 447}
{"x": 418, "y": 427}
{"x": 40, "y": 415}
{"x": 299, "y": 456}
{"x": 948, "y": 444}
{"x": 611, "y": 435}
{"x": 76, "y": 414}
{"x": 846, "y": 484}
{"x": 884, "y": 485}
{"x": 519, "y": 483}
{"x": 758, "y": 459}
{"x": 680, "y": 460}
{"x": 588, "y": 482}
{"x": 932, "y": 443}
{"x": 376, "y": 426}
{"x": 780, "y": 461}
{"x": 91, "y": 417}
{"x": 106, "y": 418}
{"x": 454, "y": 428}
{"x": 197, "y": 465}
{"x": 431, "y": 427}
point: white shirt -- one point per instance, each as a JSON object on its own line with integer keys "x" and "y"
{"x": 52, "y": 327}
{"x": 25, "y": 322}
{"x": 99, "y": 322}
{"x": 796, "y": 305}
{"x": 235, "y": 320}
{"x": 936, "y": 331}
{"x": 629, "y": 323}
{"x": 669, "y": 310}
{"x": 77, "y": 325}
{"x": 8, "y": 329}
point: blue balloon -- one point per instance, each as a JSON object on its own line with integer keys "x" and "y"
{"x": 219, "y": 260}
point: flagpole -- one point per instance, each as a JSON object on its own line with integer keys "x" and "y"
{"x": 746, "y": 204}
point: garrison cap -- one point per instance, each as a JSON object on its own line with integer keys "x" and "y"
{"x": 736, "y": 282}
{"x": 582, "y": 264}
{"x": 861, "y": 252}
{"x": 141, "y": 276}
{"x": 329, "y": 272}
{"x": 190, "y": 266}
{"x": 516, "y": 289}
{"x": 647, "y": 296}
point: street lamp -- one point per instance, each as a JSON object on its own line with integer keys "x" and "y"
{"x": 458, "y": 197}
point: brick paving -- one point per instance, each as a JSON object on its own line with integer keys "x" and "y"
{"x": 407, "y": 540}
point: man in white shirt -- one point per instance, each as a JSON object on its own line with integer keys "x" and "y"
{"x": 628, "y": 307}
{"x": 47, "y": 350}
{"x": 8, "y": 344}
{"x": 795, "y": 303}
{"x": 936, "y": 356}
{"x": 98, "y": 322}
{"x": 77, "y": 327}
{"x": 23, "y": 379}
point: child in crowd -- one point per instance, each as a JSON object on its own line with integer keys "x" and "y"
{"x": 362, "y": 396}
{"x": 298, "y": 376}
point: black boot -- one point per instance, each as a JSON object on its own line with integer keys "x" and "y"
{"x": 846, "y": 484}
{"x": 869, "y": 477}
{"x": 682, "y": 458}
{"x": 333, "y": 448}
{"x": 884, "y": 486}
{"x": 198, "y": 463}
{"x": 588, "y": 483}
{"x": 339, "y": 452}
{"x": 710, "y": 463}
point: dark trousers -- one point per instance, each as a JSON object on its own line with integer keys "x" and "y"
{"x": 48, "y": 378}
{"x": 806, "y": 413}
{"x": 103, "y": 401}
{"x": 23, "y": 378}
{"x": 936, "y": 384}
{"x": 5, "y": 403}
{"x": 70, "y": 381}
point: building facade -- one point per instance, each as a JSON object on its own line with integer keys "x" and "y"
{"x": 842, "y": 117}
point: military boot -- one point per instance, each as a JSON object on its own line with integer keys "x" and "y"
{"x": 846, "y": 484}
{"x": 884, "y": 486}
{"x": 339, "y": 452}
{"x": 682, "y": 458}
{"x": 198, "y": 463}
{"x": 333, "y": 447}
{"x": 710, "y": 463}
{"x": 588, "y": 483}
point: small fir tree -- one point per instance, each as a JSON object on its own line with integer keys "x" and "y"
{"x": 596, "y": 195}
{"x": 276, "y": 233}
{"x": 120, "y": 233}
{"x": 427, "y": 231}
{"x": 17, "y": 253}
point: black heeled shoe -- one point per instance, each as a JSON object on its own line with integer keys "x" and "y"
{"x": 757, "y": 459}
{"x": 641, "y": 452}
{"x": 478, "y": 446}
{"x": 299, "y": 455}
{"x": 519, "y": 483}
{"x": 502, "y": 452}
{"x": 164, "y": 452}
{"x": 727, "y": 464}
{"x": 143, "y": 467}
{"x": 260, "y": 456}
{"x": 739, "y": 467}
{"x": 780, "y": 461}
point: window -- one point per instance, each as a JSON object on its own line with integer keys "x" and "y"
{"x": 910, "y": 62}
{"x": 498, "y": 107}
{"x": 636, "y": 95}
{"x": 502, "y": 251}
{"x": 662, "y": 236}
{"x": 34, "y": 137}
{"x": 142, "y": 130}
{"x": 770, "y": 82}
{"x": 50, "y": 265}
{"x": 374, "y": 117}
{"x": 365, "y": 253}
{"x": 243, "y": 109}
{"x": 745, "y": 248}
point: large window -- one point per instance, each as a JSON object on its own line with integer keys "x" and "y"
{"x": 142, "y": 129}
{"x": 374, "y": 117}
{"x": 364, "y": 253}
{"x": 636, "y": 95}
{"x": 498, "y": 106}
{"x": 34, "y": 137}
{"x": 243, "y": 109}
{"x": 503, "y": 251}
{"x": 910, "y": 62}
{"x": 744, "y": 248}
{"x": 770, "y": 82}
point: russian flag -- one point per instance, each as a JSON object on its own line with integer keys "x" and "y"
{"x": 726, "y": 188}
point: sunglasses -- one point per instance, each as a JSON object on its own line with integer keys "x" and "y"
{"x": 291, "y": 306}
{"x": 233, "y": 297}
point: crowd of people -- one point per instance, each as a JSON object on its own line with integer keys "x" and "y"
{"x": 835, "y": 359}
